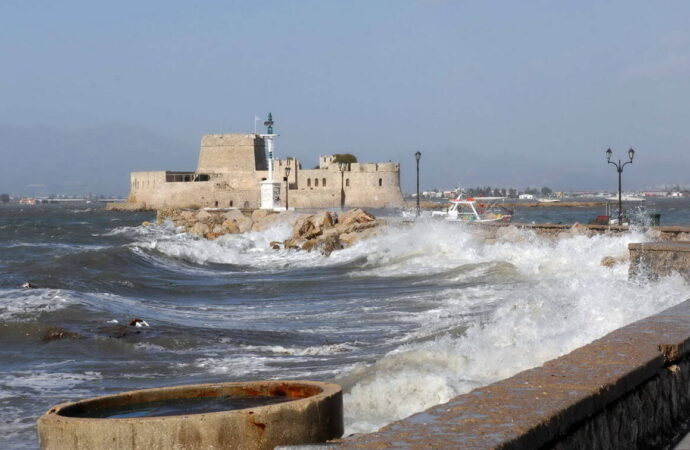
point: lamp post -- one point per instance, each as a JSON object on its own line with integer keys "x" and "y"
{"x": 342, "y": 166}
{"x": 417, "y": 156}
{"x": 619, "y": 168}
{"x": 287, "y": 186}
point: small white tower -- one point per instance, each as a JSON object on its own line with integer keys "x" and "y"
{"x": 270, "y": 190}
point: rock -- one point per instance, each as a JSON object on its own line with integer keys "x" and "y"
{"x": 146, "y": 223}
{"x": 610, "y": 261}
{"x": 356, "y": 215}
{"x": 203, "y": 215}
{"x": 216, "y": 219}
{"x": 260, "y": 214}
{"x": 137, "y": 322}
{"x": 166, "y": 213}
{"x": 118, "y": 331}
{"x": 293, "y": 244}
{"x": 233, "y": 214}
{"x": 187, "y": 215}
{"x": 329, "y": 244}
{"x": 243, "y": 222}
{"x": 304, "y": 227}
{"x": 324, "y": 219}
{"x": 354, "y": 227}
{"x": 309, "y": 245}
{"x": 230, "y": 227}
{"x": 200, "y": 229}
{"x": 55, "y": 333}
{"x": 324, "y": 230}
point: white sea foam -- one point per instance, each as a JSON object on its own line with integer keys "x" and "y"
{"x": 20, "y": 304}
{"x": 503, "y": 306}
{"x": 47, "y": 381}
{"x": 562, "y": 299}
{"x": 250, "y": 249}
{"x": 328, "y": 349}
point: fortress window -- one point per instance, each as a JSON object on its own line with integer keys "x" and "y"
{"x": 216, "y": 203}
{"x": 380, "y": 181}
{"x": 231, "y": 202}
{"x": 316, "y": 182}
{"x": 308, "y": 182}
{"x": 324, "y": 182}
{"x": 347, "y": 182}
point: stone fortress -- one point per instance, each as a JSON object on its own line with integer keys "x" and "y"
{"x": 234, "y": 169}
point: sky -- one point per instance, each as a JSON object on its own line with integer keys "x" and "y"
{"x": 510, "y": 94}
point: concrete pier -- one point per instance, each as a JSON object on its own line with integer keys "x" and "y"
{"x": 629, "y": 389}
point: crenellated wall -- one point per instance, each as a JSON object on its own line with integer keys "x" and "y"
{"x": 231, "y": 166}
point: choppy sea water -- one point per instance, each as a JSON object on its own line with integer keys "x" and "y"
{"x": 403, "y": 321}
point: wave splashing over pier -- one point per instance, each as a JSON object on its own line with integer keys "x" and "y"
{"x": 404, "y": 320}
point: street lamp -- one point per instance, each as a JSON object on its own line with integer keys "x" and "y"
{"x": 619, "y": 168}
{"x": 417, "y": 156}
{"x": 342, "y": 166}
{"x": 287, "y": 186}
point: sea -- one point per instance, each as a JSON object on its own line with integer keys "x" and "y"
{"x": 405, "y": 320}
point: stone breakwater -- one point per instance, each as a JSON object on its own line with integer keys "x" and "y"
{"x": 665, "y": 233}
{"x": 629, "y": 389}
{"x": 325, "y": 231}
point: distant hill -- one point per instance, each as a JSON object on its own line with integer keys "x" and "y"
{"x": 41, "y": 160}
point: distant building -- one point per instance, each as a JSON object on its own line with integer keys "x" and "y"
{"x": 232, "y": 167}
{"x": 526, "y": 197}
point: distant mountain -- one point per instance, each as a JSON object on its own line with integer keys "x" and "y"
{"x": 41, "y": 160}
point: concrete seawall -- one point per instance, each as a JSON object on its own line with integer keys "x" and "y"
{"x": 665, "y": 233}
{"x": 628, "y": 389}
{"x": 659, "y": 259}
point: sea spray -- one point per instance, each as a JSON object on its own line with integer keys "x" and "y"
{"x": 565, "y": 299}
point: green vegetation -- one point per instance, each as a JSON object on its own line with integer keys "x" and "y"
{"x": 344, "y": 158}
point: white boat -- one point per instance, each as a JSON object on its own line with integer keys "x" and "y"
{"x": 479, "y": 209}
{"x": 548, "y": 200}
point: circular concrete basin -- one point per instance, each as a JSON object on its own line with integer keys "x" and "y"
{"x": 258, "y": 414}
